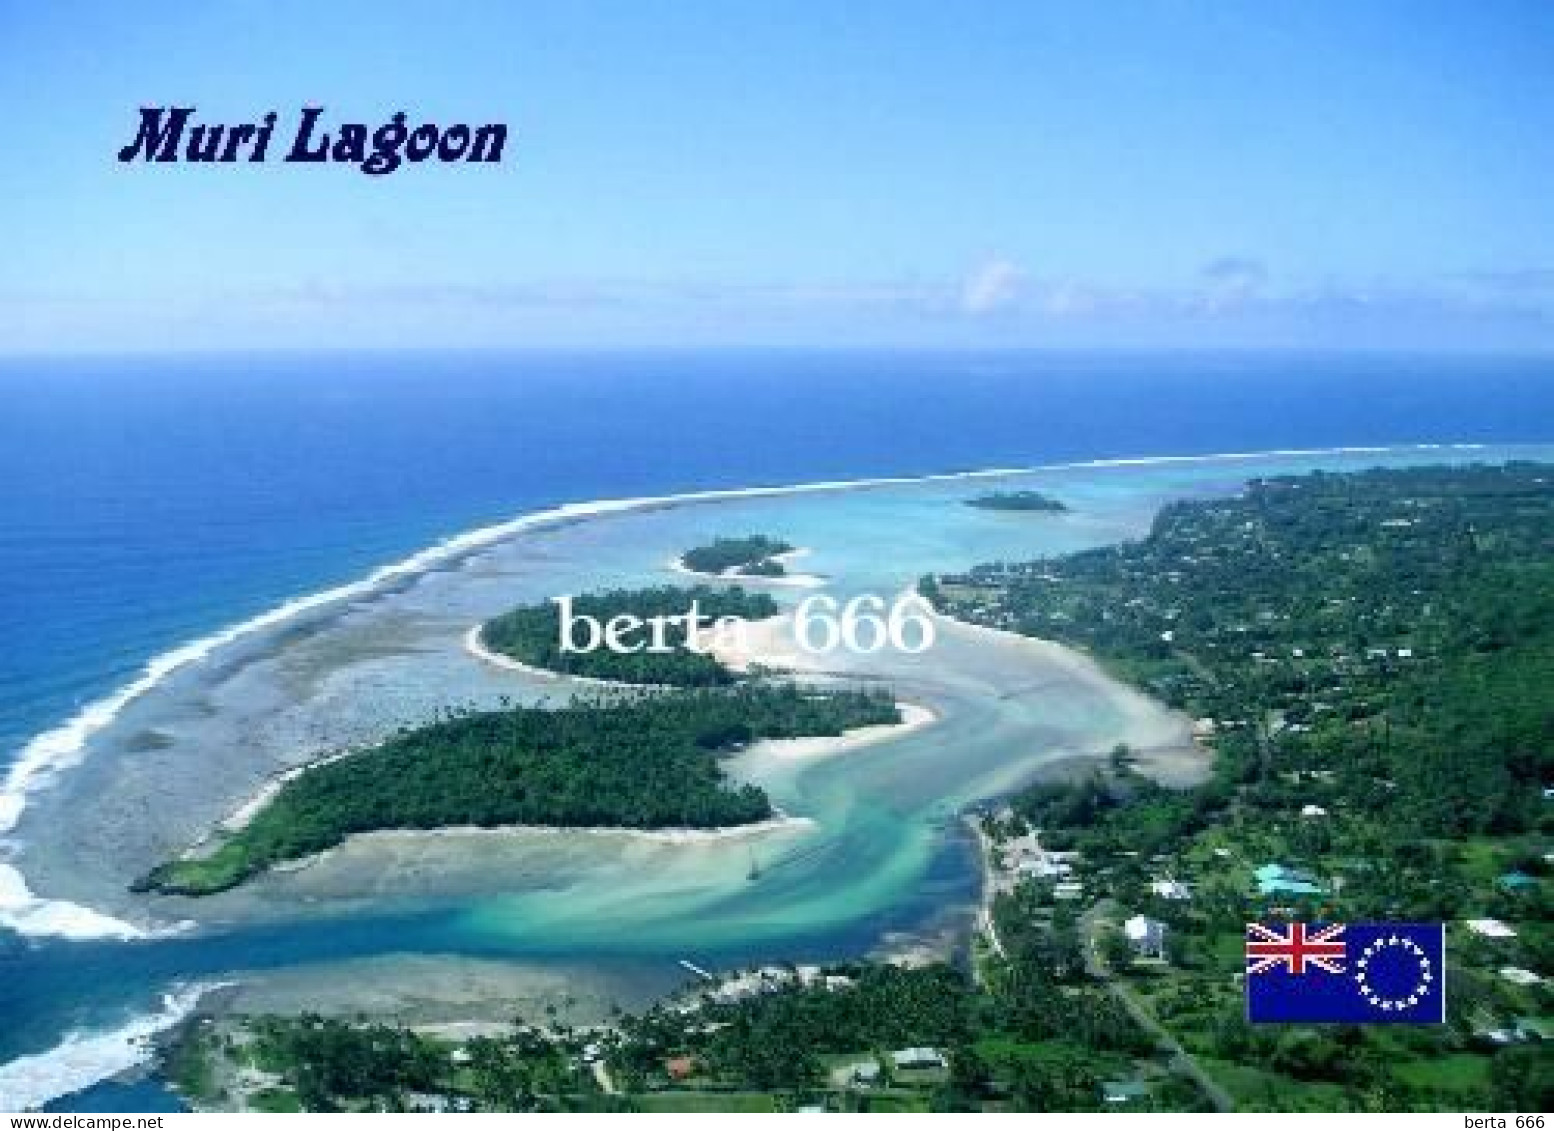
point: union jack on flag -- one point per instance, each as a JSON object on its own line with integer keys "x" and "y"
{"x": 1293, "y": 946}
{"x": 1346, "y": 972}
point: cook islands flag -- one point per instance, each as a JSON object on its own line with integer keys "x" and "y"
{"x": 1346, "y": 972}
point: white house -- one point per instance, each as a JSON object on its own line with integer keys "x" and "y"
{"x": 1170, "y": 889}
{"x": 1491, "y": 928}
{"x": 1147, "y": 936}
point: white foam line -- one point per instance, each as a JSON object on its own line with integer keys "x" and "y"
{"x": 48, "y": 754}
{"x": 84, "y": 1059}
{"x": 475, "y": 645}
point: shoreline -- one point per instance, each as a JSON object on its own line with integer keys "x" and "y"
{"x": 52, "y": 752}
{"x": 475, "y": 645}
{"x": 1173, "y": 764}
{"x": 683, "y": 836}
{"x": 914, "y": 717}
{"x": 102, "y": 713}
{"x": 990, "y": 890}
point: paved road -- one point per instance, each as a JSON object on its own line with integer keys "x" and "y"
{"x": 1096, "y": 966}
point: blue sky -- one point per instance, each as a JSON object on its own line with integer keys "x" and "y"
{"x": 1350, "y": 174}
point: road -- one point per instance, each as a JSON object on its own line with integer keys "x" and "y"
{"x": 1090, "y": 924}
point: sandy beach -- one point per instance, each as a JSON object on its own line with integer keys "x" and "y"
{"x": 789, "y": 580}
{"x": 1159, "y": 739}
{"x": 475, "y": 646}
{"x": 913, "y": 718}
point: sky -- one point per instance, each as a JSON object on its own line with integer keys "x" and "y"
{"x": 1325, "y": 174}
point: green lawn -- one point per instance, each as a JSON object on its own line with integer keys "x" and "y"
{"x": 708, "y": 1101}
{"x": 1256, "y": 1090}
{"x": 1452, "y": 1072}
{"x": 275, "y": 1100}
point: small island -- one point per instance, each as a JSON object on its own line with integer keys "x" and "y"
{"x": 1017, "y": 501}
{"x": 533, "y": 634}
{"x": 754, "y": 555}
{"x": 650, "y": 763}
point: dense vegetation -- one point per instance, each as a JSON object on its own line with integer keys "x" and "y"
{"x": 313, "y": 1063}
{"x": 647, "y": 763}
{"x": 1017, "y": 501}
{"x": 1349, "y": 638}
{"x": 751, "y": 555}
{"x": 1389, "y": 626}
{"x": 1025, "y": 1042}
{"x": 1370, "y": 657}
{"x": 532, "y": 634}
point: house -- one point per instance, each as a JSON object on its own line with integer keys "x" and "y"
{"x": 1043, "y": 867}
{"x": 1313, "y": 811}
{"x": 1517, "y": 881}
{"x": 866, "y": 1073}
{"x": 1494, "y": 1036}
{"x": 1147, "y": 936}
{"x": 1069, "y": 889}
{"x": 679, "y": 1067}
{"x": 427, "y": 1102}
{"x": 1124, "y": 1091}
{"x": 1170, "y": 889}
{"x": 1276, "y": 879}
{"x": 1534, "y": 1029}
{"x": 1491, "y": 928}
{"x": 918, "y": 1058}
{"x": 1517, "y": 976}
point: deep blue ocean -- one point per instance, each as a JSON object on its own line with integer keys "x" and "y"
{"x": 145, "y": 502}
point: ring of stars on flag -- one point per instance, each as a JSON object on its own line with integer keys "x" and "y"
{"x": 1426, "y": 975}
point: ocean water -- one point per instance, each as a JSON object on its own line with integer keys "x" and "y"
{"x": 148, "y": 503}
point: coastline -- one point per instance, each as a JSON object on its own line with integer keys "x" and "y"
{"x": 990, "y": 888}
{"x": 9, "y": 902}
{"x": 52, "y": 752}
{"x": 914, "y": 717}
{"x": 476, "y": 647}
{"x": 55, "y": 750}
{"x": 778, "y": 822}
{"x": 1158, "y": 755}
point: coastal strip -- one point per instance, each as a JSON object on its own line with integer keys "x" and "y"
{"x": 84, "y": 1059}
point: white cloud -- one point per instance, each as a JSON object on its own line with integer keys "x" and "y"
{"x": 993, "y": 286}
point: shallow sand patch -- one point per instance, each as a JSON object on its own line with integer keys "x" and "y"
{"x": 1158, "y": 737}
